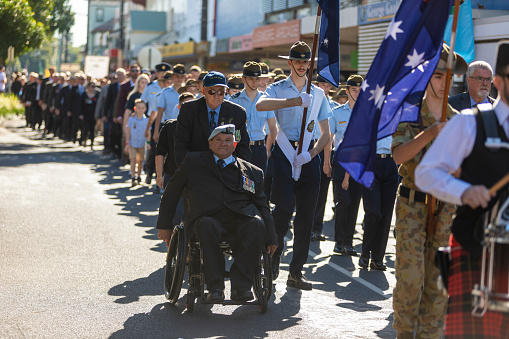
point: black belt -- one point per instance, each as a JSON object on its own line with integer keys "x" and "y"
{"x": 383, "y": 156}
{"x": 296, "y": 143}
{"x": 257, "y": 143}
{"x": 418, "y": 195}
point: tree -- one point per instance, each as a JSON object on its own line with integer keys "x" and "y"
{"x": 26, "y": 24}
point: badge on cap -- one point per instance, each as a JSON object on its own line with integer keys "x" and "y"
{"x": 248, "y": 184}
{"x": 311, "y": 126}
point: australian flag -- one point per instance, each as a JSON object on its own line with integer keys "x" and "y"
{"x": 328, "y": 46}
{"x": 395, "y": 83}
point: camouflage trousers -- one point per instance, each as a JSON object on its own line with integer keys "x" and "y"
{"x": 419, "y": 304}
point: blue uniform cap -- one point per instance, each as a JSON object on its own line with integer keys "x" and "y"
{"x": 214, "y": 78}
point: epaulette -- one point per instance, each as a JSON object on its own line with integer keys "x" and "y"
{"x": 279, "y": 82}
{"x": 236, "y": 95}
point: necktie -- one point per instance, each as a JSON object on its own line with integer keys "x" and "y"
{"x": 221, "y": 164}
{"x": 212, "y": 122}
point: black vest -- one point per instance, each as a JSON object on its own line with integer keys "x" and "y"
{"x": 482, "y": 167}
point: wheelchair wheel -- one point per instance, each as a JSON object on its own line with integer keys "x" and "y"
{"x": 266, "y": 280}
{"x": 263, "y": 303}
{"x": 175, "y": 264}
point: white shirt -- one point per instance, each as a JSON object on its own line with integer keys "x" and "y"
{"x": 452, "y": 146}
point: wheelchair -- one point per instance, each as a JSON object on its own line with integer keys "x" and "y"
{"x": 182, "y": 254}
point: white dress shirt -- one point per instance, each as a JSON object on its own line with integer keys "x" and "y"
{"x": 453, "y": 145}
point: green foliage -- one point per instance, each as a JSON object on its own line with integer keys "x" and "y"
{"x": 26, "y": 24}
{"x": 9, "y": 104}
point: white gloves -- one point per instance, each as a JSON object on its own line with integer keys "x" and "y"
{"x": 302, "y": 159}
{"x": 306, "y": 99}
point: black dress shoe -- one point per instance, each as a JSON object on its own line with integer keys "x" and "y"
{"x": 377, "y": 265}
{"x": 339, "y": 249}
{"x": 239, "y": 295}
{"x": 215, "y": 296}
{"x": 350, "y": 250}
{"x": 299, "y": 282}
{"x": 318, "y": 236}
{"x": 363, "y": 262}
{"x": 275, "y": 266}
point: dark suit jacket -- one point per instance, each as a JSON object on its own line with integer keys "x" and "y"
{"x": 64, "y": 100}
{"x": 462, "y": 101}
{"x": 111, "y": 99}
{"x": 193, "y": 132}
{"x": 207, "y": 193}
{"x": 166, "y": 145}
{"x": 125, "y": 89}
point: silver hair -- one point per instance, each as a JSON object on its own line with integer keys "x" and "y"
{"x": 478, "y": 64}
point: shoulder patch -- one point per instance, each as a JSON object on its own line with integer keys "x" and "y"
{"x": 236, "y": 95}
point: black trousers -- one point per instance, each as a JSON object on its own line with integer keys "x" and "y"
{"x": 259, "y": 156}
{"x": 116, "y": 139}
{"x": 378, "y": 208}
{"x": 250, "y": 240}
{"x": 322, "y": 197}
{"x": 150, "y": 163}
{"x": 305, "y": 190}
{"x": 36, "y": 115}
{"x": 88, "y": 131}
{"x": 347, "y": 206}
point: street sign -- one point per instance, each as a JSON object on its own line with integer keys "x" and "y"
{"x": 149, "y": 57}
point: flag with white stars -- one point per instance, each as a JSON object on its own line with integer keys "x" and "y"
{"x": 328, "y": 43}
{"x": 394, "y": 86}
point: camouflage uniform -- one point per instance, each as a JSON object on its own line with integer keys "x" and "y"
{"x": 417, "y": 300}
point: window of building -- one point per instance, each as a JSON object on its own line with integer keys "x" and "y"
{"x": 99, "y": 14}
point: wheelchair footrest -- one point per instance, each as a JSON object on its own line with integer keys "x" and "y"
{"x": 233, "y": 302}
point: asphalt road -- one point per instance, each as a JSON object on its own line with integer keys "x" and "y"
{"x": 79, "y": 258}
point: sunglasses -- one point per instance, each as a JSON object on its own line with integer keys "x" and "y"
{"x": 214, "y": 92}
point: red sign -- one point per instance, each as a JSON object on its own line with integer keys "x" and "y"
{"x": 113, "y": 52}
{"x": 276, "y": 34}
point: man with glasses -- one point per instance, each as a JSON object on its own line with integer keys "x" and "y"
{"x": 198, "y": 118}
{"x": 479, "y": 79}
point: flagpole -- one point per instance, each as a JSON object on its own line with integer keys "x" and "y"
{"x": 431, "y": 220}
{"x": 310, "y": 76}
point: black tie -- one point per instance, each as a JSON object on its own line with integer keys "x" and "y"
{"x": 221, "y": 164}
{"x": 212, "y": 122}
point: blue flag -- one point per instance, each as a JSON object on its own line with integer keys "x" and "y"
{"x": 464, "y": 33}
{"x": 395, "y": 83}
{"x": 328, "y": 44}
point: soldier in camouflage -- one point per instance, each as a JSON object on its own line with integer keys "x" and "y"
{"x": 419, "y": 304}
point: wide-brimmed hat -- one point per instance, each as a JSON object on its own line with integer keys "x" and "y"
{"x": 354, "y": 80}
{"x": 235, "y": 82}
{"x": 251, "y": 69}
{"x": 459, "y": 65}
{"x": 189, "y": 83}
{"x": 266, "y": 73}
{"x": 299, "y": 51}
{"x": 278, "y": 71}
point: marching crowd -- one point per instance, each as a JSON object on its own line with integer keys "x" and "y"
{"x": 151, "y": 117}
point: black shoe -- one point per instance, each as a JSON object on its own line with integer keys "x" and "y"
{"x": 299, "y": 282}
{"x": 138, "y": 179}
{"x": 317, "y": 236}
{"x": 275, "y": 260}
{"x": 215, "y": 296}
{"x": 350, "y": 250}
{"x": 339, "y": 249}
{"x": 133, "y": 182}
{"x": 239, "y": 295}
{"x": 363, "y": 262}
{"x": 157, "y": 190}
{"x": 377, "y": 265}
{"x": 148, "y": 179}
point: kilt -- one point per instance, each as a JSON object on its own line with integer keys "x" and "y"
{"x": 464, "y": 274}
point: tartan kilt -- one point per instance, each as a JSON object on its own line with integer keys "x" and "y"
{"x": 464, "y": 274}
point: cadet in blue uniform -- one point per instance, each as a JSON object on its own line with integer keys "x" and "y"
{"x": 149, "y": 93}
{"x": 169, "y": 97}
{"x": 256, "y": 120}
{"x": 326, "y": 169}
{"x": 287, "y": 99}
{"x": 347, "y": 192}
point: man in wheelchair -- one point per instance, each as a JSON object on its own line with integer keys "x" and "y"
{"x": 225, "y": 195}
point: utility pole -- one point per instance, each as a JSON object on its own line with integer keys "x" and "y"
{"x": 88, "y": 29}
{"x": 121, "y": 39}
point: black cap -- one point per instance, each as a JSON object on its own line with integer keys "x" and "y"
{"x": 168, "y": 75}
{"x": 163, "y": 67}
{"x": 502, "y": 59}
{"x": 179, "y": 69}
